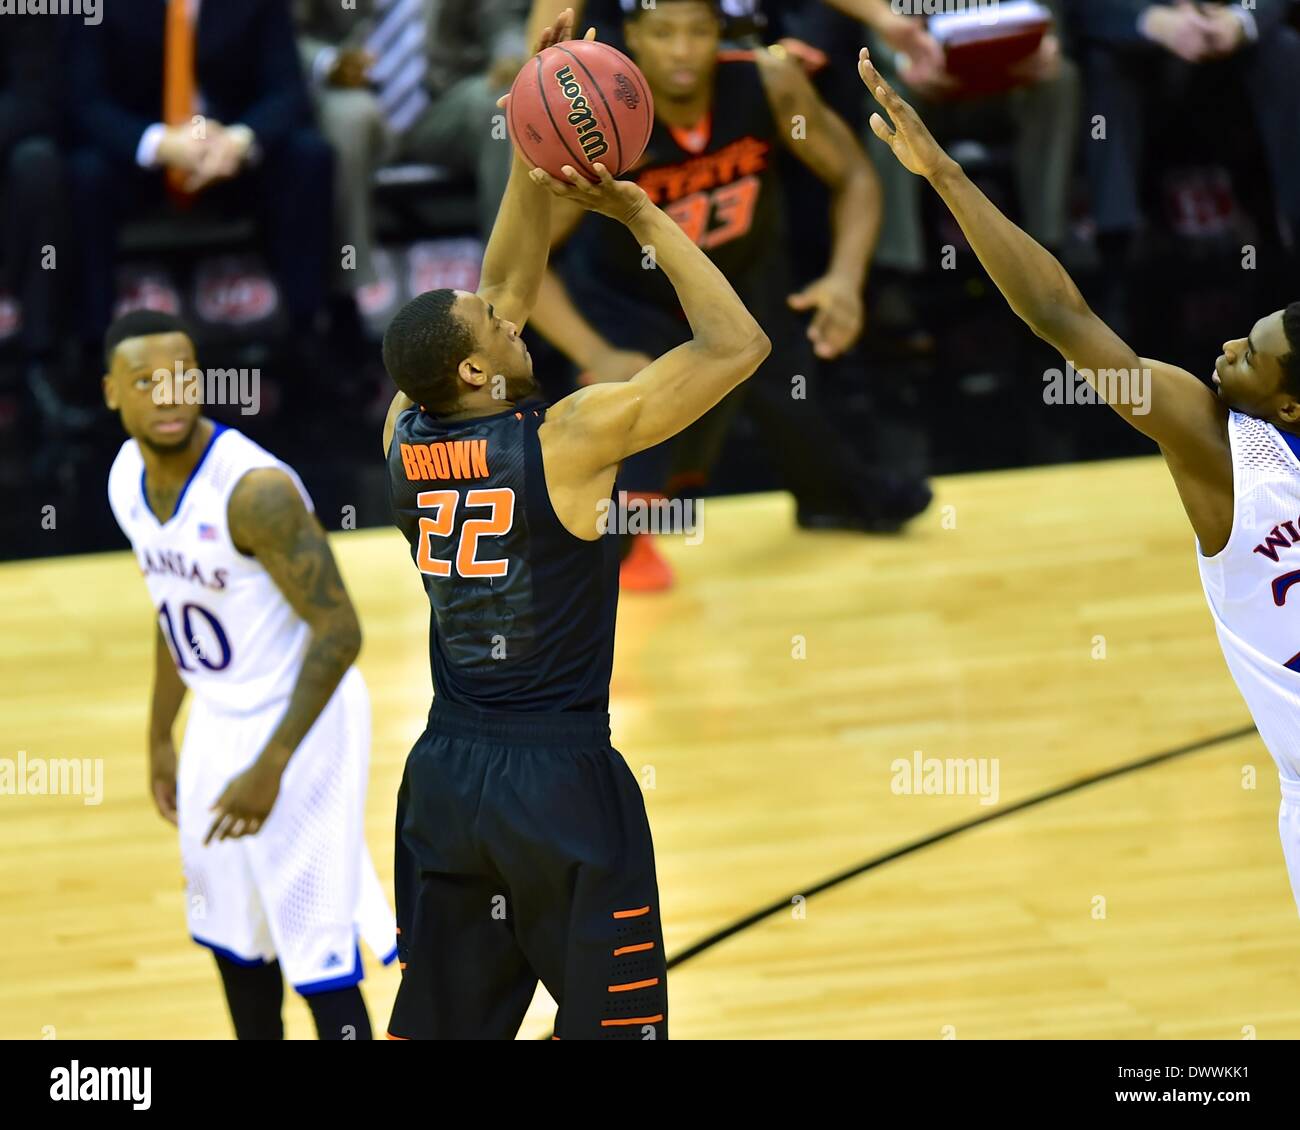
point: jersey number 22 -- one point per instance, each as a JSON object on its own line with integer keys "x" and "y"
{"x": 501, "y": 517}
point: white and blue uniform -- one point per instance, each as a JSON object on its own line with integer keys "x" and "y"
{"x": 1250, "y": 586}
{"x": 303, "y": 888}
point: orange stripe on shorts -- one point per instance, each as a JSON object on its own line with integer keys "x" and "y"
{"x": 628, "y": 986}
{"x": 632, "y": 1020}
{"x": 640, "y": 910}
{"x": 634, "y": 949}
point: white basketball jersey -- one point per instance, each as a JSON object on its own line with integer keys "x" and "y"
{"x": 1249, "y": 587}
{"x": 236, "y": 641}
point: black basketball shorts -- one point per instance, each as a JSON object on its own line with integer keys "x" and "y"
{"x": 523, "y": 853}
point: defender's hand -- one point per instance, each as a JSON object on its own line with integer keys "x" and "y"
{"x": 620, "y": 200}
{"x": 913, "y": 144}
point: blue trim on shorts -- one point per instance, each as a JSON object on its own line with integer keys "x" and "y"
{"x": 231, "y": 956}
{"x": 389, "y": 958}
{"x": 331, "y": 984}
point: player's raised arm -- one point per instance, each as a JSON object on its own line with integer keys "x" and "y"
{"x": 520, "y": 244}
{"x": 612, "y": 421}
{"x": 1172, "y": 406}
{"x": 270, "y": 521}
{"x": 514, "y": 263}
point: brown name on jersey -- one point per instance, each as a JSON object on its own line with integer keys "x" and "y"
{"x": 451, "y": 459}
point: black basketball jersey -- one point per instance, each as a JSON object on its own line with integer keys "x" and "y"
{"x": 522, "y": 611}
{"x": 719, "y": 181}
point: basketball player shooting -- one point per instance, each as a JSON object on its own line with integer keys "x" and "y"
{"x": 252, "y": 616}
{"x": 1233, "y": 452}
{"x": 523, "y": 849}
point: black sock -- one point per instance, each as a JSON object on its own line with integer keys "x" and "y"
{"x": 254, "y": 994}
{"x": 340, "y": 1015}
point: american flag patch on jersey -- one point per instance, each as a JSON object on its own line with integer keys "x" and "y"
{"x": 206, "y": 532}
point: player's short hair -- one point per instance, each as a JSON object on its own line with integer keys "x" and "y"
{"x": 634, "y": 9}
{"x": 1291, "y": 362}
{"x": 423, "y": 347}
{"x": 141, "y": 323}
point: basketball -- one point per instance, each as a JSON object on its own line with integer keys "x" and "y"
{"x": 579, "y": 103}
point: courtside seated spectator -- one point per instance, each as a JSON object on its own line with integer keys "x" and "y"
{"x": 1139, "y": 55}
{"x": 1043, "y": 108}
{"x": 198, "y": 99}
{"x": 334, "y": 43}
{"x": 414, "y": 81}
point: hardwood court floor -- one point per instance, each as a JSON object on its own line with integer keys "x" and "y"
{"x": 1050, "y": 621}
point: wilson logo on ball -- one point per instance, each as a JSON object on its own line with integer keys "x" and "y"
{"x": 577, "y": 103}
{"x": 581, "y": 116}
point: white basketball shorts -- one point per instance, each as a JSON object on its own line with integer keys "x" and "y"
{"x": 304, "y": 888}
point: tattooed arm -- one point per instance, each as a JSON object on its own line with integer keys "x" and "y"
{"x": 269, "y": 521}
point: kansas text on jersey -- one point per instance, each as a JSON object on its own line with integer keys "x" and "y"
{"x": 236, "y": 641}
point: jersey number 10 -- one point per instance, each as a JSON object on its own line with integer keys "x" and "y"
{"x": 443, "y": 503}
{"x": 188, "y": 644}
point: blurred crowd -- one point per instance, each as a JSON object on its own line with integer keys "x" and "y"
{"x": 281, "y": 116}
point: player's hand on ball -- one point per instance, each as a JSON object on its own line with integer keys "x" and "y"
{"x": 246, "y": 803}
{"x": 839, "y": 316}
{"x": 559, "y": 32}
{"x": 620, "y": 200}
{"x": 162, "y": 778}
{"x": 913, "y": 144}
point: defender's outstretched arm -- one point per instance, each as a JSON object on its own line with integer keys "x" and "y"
{"x": 1179, "y": 412}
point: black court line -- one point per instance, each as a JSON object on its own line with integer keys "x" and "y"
{"x": 711, "y": 940}
{"x": 783, "y": 904}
